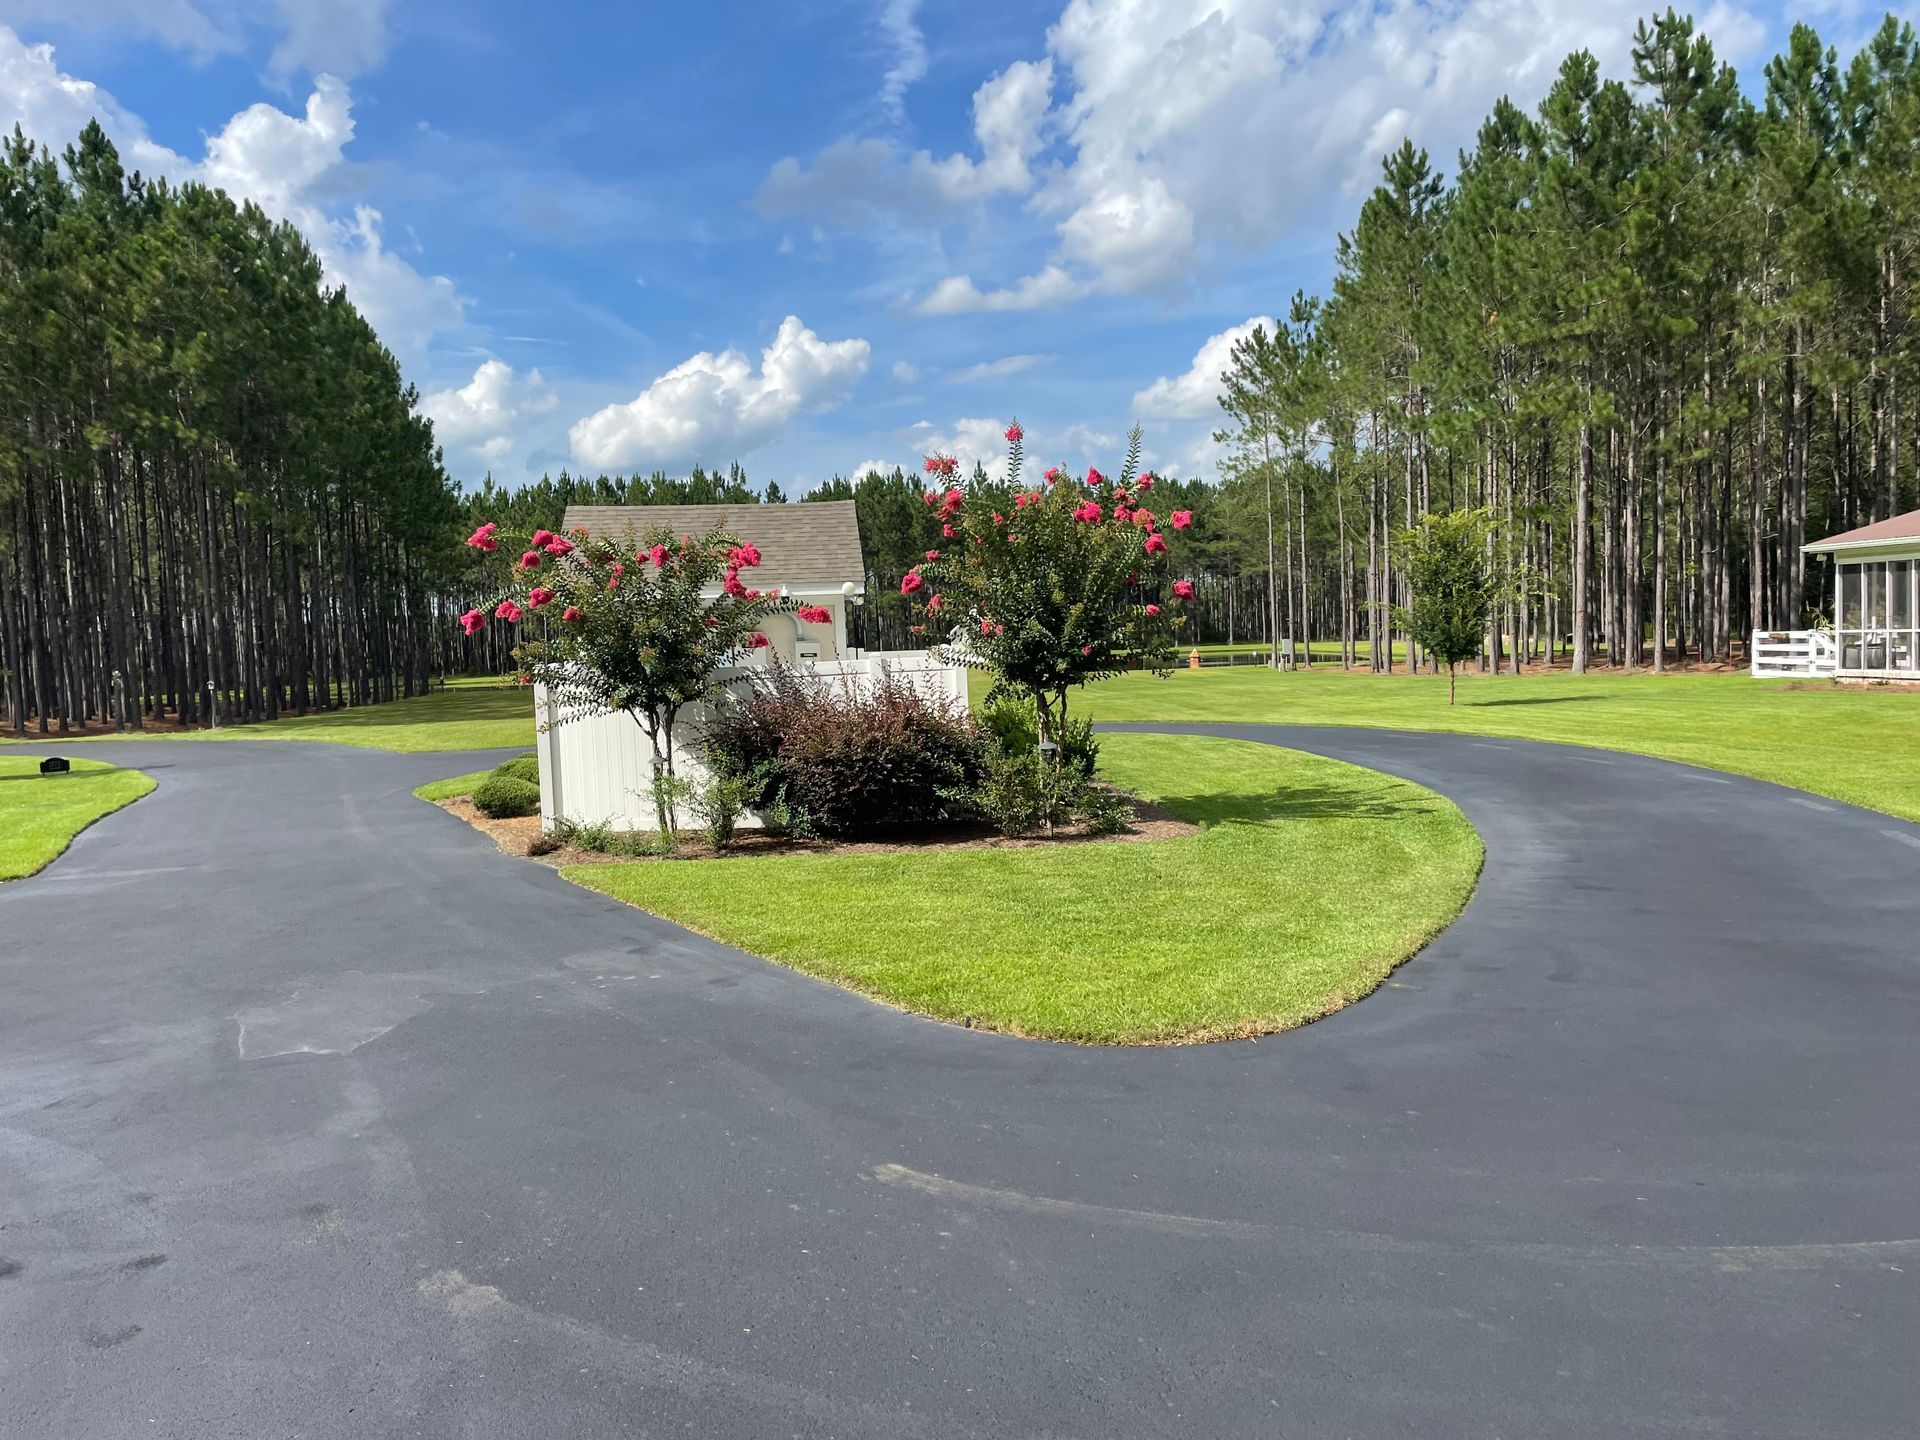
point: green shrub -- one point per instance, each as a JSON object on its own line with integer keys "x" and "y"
{"x": 503, "y": 797}
{"x": 1022, "y": 793}
{"x": 1103, "y": 809}
{"x": 718, "y": 803}
{"x": 1010, "y": 723}
{"x": 521, "y": 767}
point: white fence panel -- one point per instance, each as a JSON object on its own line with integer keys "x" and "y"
{"x": 1781, "y": 653}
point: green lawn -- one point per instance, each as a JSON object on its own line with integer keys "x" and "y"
{"x": 1245, "y": 928}
{"x": 40, "y": 814}
{"x": 482, "y": 714}
{"x": 1861, "y": 745}
{"x": 454, "y": 787}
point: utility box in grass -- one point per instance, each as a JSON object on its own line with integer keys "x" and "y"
{"x": 54, "y": 765}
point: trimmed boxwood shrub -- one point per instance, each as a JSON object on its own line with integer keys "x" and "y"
{"x": 504, "y": 797}
{"x": 521, "y": 767}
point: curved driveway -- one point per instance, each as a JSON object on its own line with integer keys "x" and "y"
{"x": 320, "y": 1117}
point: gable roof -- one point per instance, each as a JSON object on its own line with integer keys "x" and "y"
{"x": 812, "y": 544}
{"x": 1881, "y": 532}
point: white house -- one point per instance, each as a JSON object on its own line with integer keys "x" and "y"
{"x": 600, "y": 769}
{"x": 1875, "y": 634}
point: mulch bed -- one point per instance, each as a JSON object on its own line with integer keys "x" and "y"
{"x": 515, "y": 836}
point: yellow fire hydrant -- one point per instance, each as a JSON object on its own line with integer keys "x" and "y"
{"x": 1193, "y": 658}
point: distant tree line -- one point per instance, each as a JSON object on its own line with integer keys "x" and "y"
{"x": 216, "y": 501}
{"x": 1660, "y": 328}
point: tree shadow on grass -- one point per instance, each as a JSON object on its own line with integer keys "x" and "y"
{"x": 1539, "y": 700}
{"x": 1299, "y": 802}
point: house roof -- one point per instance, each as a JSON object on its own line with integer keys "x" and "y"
{"x": 809, "y": 545}
{"x": 1881, "y": 532}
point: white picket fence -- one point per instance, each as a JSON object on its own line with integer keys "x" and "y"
{"x": 1793, "y": 652}
{"x": 599, "y": 769}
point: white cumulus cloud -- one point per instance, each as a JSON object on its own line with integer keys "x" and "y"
{"x": 958, "y": 295}
{"x": 853, "y": 179}
{"x": 719, "y": 407}
{"x": 1136, "y": 151}
{"x": 486, "y": 413}
{"x": 1195, "y": 393}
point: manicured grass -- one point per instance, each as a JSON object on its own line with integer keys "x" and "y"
{"x": 40, "y": 814}
{"x": 483, "y": 714}
{"x": 1858, "y": 744}
{"x": 454, "y": 787}
{"x": 1245, "y": 928}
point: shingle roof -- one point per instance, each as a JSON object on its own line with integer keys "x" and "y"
{"x": 1899, "y": 527}
{"x": 813, "y": 544}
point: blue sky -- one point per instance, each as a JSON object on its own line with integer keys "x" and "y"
{"x": 808, "y": 236}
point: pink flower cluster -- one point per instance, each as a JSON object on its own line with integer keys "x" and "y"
{"x": 482, "y": 539}
{"x": 941, "y": 465}
{"x": 814, "y": 615}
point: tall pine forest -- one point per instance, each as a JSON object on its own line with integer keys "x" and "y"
{"x": 1662, "y": 326}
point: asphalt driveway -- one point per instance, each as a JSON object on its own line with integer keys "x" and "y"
{"x": 321, "y": 1117}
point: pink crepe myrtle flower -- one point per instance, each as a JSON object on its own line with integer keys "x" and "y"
{"x": 508, "y": 611}
{"x": 814, "y": 614}
{"x": 530, "y": 560}
{"x": 934, "y": 602}
{"x": 573, "y": 614}
{"x": 942, "y": 465}
{"x": 911, "y": 582}
{"x": 1088, "y": 513}
{"x": 1053, "y": 475}
{"x": 998, "y": 518}
{"x": 933, "y": 555}
{"x": 1015, "y": 434}
{"x": 1146, "y": 481}
{"x": 1145, "y": 519}
{"x": 744, "y": 557}
{"x": 539, "y": 596}
{"x": 1181, "y": 519}
{"x": 1086, "y": 649}
{"x": 1183, "y": 589}
{"x": 1095, "y": 478}
{"x": 658, "y": 555}
{"x": 757, "y": 641}
{"x": 931, "y": 498}
{"x": 1156, "y": 544}
{"x": 482, "y": 539}
{"x": 473, "y": 622}
{"x": 557, "y": 547}
{"x": 541, "y": 538}
{"x": 947, "y": 530}
{"x": 732, "y": 586}
{"x": 1123, "y": 514}
{"x": 986, "y": 627}
{"x": 952, "y": 500}
{"x": 1153, "y": 609}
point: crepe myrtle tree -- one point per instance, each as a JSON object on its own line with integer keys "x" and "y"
{"x": 1446, "y": 558}
{"x": 1049, "y": 586}
{"x": 642, "y": 625}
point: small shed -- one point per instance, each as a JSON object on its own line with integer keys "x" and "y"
{"x": 1876, "y": 612}
{"x": 809, "y": 551}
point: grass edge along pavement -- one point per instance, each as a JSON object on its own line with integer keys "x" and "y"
{"x": 1857, "y": 744}
{"x": 476, "y": 713}
{"x": 1243, "y": 929}
{"x": 41, "y": 814}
